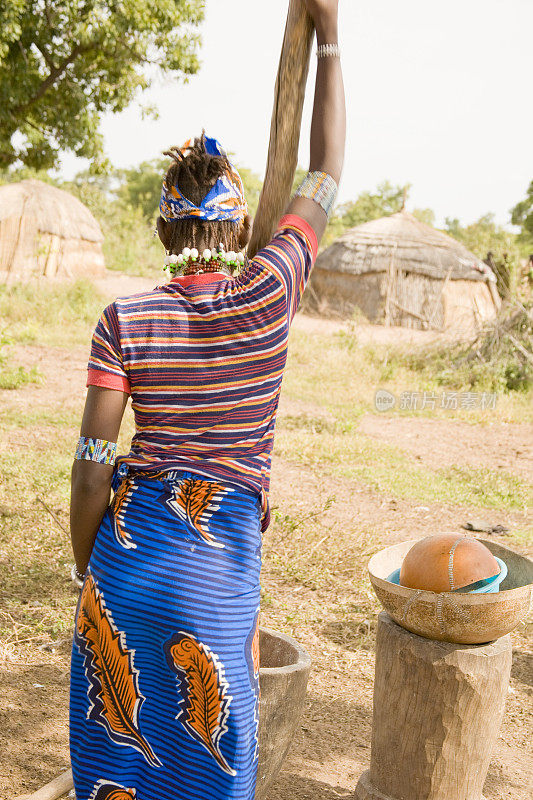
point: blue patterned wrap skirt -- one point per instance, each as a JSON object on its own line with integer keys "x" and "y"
{"x": 165, "y": 659}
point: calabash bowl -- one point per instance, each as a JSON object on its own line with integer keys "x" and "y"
{"x": 454, "y": 616}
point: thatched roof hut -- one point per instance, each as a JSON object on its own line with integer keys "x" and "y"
{"x": 46, "y": 231}
{"x": 399, "y": 271}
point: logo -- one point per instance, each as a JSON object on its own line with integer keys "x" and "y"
{"x": 384, "y": 400}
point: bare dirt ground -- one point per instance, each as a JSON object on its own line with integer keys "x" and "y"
{"x": 332, "y": 747}
{"x": 493, "y": 446}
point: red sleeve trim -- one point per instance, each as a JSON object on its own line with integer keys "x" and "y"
{"x": 294, "y": 221}
{"x": 200, "y": 278}
{"x": 107, "y": 380}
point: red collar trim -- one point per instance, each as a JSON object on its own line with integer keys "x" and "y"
{"x": 201, "y": 278}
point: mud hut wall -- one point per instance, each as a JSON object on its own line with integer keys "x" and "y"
{"x": 26, "y": 252}
{"x": 420, "y": 295}
{"x": 10, "y": 237}
{"x": 20, "y": 234}
{"x": 81, "y": 259}
{"x": 467, "y": 305}
{"x": 18, "y": 255}
{"x": 340, "y": 294}
{"x": 21, "y": 249}
{"x": 50, "y": 254}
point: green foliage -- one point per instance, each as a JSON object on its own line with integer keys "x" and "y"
{"x": 140, "y": 187}
{"x": 425, "y": 215}
{"x": 299, "y": 176}
{"x": 522, "y": 215}
{"x": 64, "y": 63}
{"x": 15, "y": 377}
{"x": 129, "y": 243}
{"x": 492, "y": 243}
{"x": 23, "y": 173}
{"x": 386, "y": 199}
{"x": 252, "y": 188}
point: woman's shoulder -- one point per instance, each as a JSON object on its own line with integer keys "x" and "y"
{"x": 294, "y": 238}
{"x": 146, "y": 297}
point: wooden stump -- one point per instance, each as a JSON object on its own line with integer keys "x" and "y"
{"x": 437, "y": 712}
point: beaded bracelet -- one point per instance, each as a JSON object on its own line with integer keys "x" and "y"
{"x": 321, "y": 188}
{"x": 99, "y": 450}
{"x": 328, "y": 51}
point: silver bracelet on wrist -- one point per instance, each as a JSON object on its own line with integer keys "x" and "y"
{"x": 77, "y": 577}
{"x": 328, "y": 51}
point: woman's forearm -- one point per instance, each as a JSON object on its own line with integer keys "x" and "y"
{"x": 91, "y": 481}
{"x": 328, "y": 129}
{"x": 90, "y": 493}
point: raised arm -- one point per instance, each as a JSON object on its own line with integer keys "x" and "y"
{"x": 328, "y": 129}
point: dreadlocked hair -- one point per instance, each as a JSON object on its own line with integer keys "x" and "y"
{"x": 196, "y": 173}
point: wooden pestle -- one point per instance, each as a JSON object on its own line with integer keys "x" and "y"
{"x": 289, "y": 95}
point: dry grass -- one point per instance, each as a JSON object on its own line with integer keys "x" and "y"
{"x": 499, "y": 358}
{"x": 340, "y": 374}
{"x": 50, "y": 314}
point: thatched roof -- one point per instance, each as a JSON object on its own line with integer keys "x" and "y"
{"x": 51, "y": 210}
{"x": 412, "y": 246}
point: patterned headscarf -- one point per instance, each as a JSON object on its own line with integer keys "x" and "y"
{"x": 225, "y": 201}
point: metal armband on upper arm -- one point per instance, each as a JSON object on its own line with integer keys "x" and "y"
{"x": 321, "y": 188}
{"x": 98, "y": 450}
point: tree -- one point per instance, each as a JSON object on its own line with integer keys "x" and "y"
{"x": 140, "y": 187}
{"x": 425, "y": 215}
{"x": 387, "y": 199}
{"x": 252, "y": 188}
{"x": 522, "y": 215}
{"x": 493, "y": 244}
{"x": 63, "y": 63}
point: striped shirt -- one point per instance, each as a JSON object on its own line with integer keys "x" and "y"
{"x": 203, "y": 359}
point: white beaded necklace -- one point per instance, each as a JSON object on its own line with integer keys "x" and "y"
{"x": 175, "y": 264}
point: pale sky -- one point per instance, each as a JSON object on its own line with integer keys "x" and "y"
{"x": 438, "y": 95}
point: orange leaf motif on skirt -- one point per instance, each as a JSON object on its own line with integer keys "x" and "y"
{"x": 194, "y": 501}
{"x": 119, "y": 504}
{"x": 112, "y": 791}
{"x": 204, "y": 709}
{"x": 113, "y": 680}
{"x": 255, "y": 648}
{"x": 252, "y": 653}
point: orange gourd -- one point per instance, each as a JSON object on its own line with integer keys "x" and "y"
{"x": 446, "y": 562}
